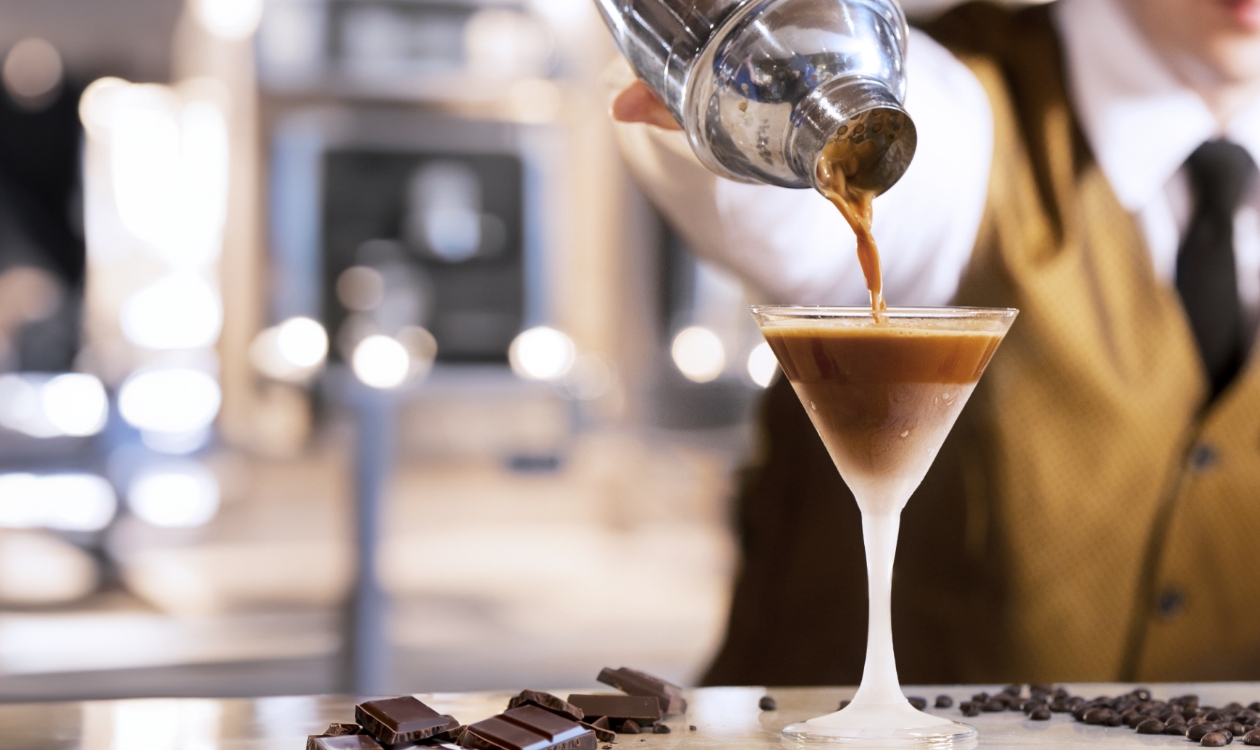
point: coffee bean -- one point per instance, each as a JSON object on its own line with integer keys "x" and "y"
{"x": 917, "y": 702}
{"x": 1132, "y": 718}
{"x": 1252, "y": 737}
{"x": 1214, "y": 716}
{"x": 1214, "y": 739}
{"x": 980, "y": 698}
{"x": 1142, "y": 694}
{"x": 944, "y": 701}
{"x": 1015, "y": 690}
{"x": 1237, "y": 729}
{"x": 1199, "y": 731}
{"x": 1254, "y": 706}
{"x": 1060, "y": 706}
{"x": 767, "y": 703}
{"x": 1100, "y": 716}
{"x": 1232, "y": 707}
{"x": 1175, "y": 729}
{"x": 1248, "y": 717}
{"x": 969, "y": 708}
{"x": 1030, "y": 706}
{"x": 1040, "y": 714}
{"x": 1151, "y": 726}
{"x": 1175, "y": 720}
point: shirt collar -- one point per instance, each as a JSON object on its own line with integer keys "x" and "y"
{"x": 1141, "y": 121}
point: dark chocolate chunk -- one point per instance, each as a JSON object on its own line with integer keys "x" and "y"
{"x": 1214, "y": 739}
{"x": 767, "y": 703}
{"x": 339, "y": 729}
{"x": 342, "y": 742}
{"x": 528, "y": 728}
{"x": 1039, "y": 714}
{"x": 549, "y": 702}
{"x": 602, "y": 733}
{"x": 917, "y": 702}
{"x": 634, "y": 682}
{"x": 452, "y": 732}
{"x": 602, "y": 722}
{"x": 660, "y": 729}
{"x": 944, "y": 701}
{"x": 397, "y": 720}
{"x": 1151, "y": 726}
{"x": 643, "y": 709}
{"x": 630, "y": 726}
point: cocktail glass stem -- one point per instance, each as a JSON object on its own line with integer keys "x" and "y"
{"x": 879, "y": 676}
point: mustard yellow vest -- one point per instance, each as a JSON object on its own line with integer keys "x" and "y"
{"x": 1089, "y": 518}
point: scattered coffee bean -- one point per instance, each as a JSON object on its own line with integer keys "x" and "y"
{"x": 1151, "y": 726}
{"x": 630, "y": 726}
{"x": 917, "y": 702}
{"x": 969, "y": 708}
{"x": 1060, "y": 706}
{"x": 944, "y": 701}
{"x": 1199, "y": 731}
{"x": 691, "y": 728}
{"x": 1179, "y": 729}
{"x": 1100, "y": 716}
{"x": 980, "y": 698}
{"x": 767, "y": 703}
{"x": 1015, "y": 690}
{"x": 1040, "y": 714}
{"x": 992, "y": 706}
{"x": 1232, "y": 707}
{"x": 1252, "y": 737}
{"x": 1214, "y": 739}
{"x": 1237, "y": 729}
{"x": 1142, "y": 694}
{"x": 660, "y": 729}
{"x": 1254, "y": 706}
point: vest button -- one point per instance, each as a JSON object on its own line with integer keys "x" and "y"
{"x": 1203, "y": 457}
{"x": 1172, "y": 602}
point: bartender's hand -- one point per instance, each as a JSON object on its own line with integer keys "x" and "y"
{"x": 638, "y": 103}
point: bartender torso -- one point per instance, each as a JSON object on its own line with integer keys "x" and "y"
{"x": 1093, "y": 516}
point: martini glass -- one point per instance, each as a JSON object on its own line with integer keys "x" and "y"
{"x": 883, "y": 391}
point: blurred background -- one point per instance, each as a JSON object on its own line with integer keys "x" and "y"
{"x": 291, "y": 284}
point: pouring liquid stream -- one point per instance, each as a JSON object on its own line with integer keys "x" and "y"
{"x": 836, "y": 164}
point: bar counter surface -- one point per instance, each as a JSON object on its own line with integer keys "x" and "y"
{"x": 722, "y": 717}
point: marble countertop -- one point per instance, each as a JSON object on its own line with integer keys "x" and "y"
{"x": 723, "y": 717}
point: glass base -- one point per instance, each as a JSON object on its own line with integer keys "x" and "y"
{"x": 882, "y": 725}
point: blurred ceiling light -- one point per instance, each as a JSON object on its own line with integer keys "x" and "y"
{"x": 176, "y": 443}
{"x": 176, "y": 495}
{"x": 75, "y": 403}
{"x": 302, "y": 342}
{"x": 20, "y": 407}
{"x": 699, "y": 354}
{"x": 421, "y": 347}
{"x": 381, "y": 362}
{"x": 541, "y": 353}
{"x": 179, "y": 311}
{"x": 292, "y": 351}
{"x": 32, "y": 73}
{"x": 171, "y": 401}
{"x": 762, "y": 365}
{"x": 63, "y": 502}
{"x": 229, "y": 19}
{"x": 360, "y": 288}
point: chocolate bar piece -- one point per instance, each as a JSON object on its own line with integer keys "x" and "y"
{"x": 547, "y": 701}
{"x": 342, "y": 742}
{"x": 528, "y": 728}
{"x": 643, "y": 709}
{"x": 452, "y": 732}
{"x": 397, "y": 720}
{"x": 634, "y": 682}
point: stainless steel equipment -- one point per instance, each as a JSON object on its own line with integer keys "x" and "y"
{"x": 760, "y": 86}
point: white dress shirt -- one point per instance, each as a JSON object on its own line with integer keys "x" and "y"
{"x": 792, "y": 247}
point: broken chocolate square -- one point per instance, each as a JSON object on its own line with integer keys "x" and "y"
{"x": 634, "y": 682}
{"x": 342, "y": 742}
{"x": 643, "y": 709}
{"x": 547, "y": 701}
{"x": 397, "y": 720}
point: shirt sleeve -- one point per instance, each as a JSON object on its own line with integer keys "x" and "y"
{"x": 792, "y": 246}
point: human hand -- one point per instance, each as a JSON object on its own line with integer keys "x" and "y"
{"x": 639, "y": 103}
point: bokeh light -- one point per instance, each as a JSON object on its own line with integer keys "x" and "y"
{"x": 75, "y": 403}
{"x": 170, "y": 401}
{"x": 381, "y": 362}
{"x": 762, "y": 365}
{"x": 541, "y": 353}
{"x": 360, "y": 288}
{"x": 698, "y": 354}
{"x": 179, "y": 311}
{"x": 302, "y": 342}
{"x": 229, "y": 19}
{"x": 62, "y": 502}
{"x": 32, "y": 73}
{"x": 175, "y": 495}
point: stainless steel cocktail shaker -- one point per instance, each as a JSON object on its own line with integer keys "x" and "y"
{"x": 760, "y": 86}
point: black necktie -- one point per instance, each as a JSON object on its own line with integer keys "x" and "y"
{"x": 1207, "y": 278}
